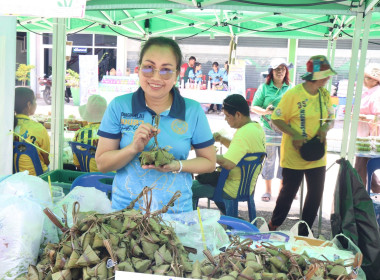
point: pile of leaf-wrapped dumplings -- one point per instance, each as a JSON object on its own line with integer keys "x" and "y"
{"x": 99, "y": 244}
{"x": 242, "y": 262}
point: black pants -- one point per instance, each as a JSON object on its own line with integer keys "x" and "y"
{"x": 315, "y": 180}
{"x": 218, "y": 107}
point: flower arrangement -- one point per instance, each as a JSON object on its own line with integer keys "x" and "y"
{"x": 72, "y": 78}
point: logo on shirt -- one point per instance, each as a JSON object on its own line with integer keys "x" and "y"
{"x": 180, "y": 127}
{"x": 130, "y": 122}
{"x": 278, "y": 112}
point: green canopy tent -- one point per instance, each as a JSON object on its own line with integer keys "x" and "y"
{"x": 302, "y": 19}
{"x": 298, "y": 19}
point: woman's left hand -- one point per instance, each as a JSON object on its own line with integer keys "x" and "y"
{"x": 174, "y": 165}
{"x": 322, "y": 132}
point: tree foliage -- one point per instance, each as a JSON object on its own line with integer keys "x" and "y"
{"x": 22, "y": 73}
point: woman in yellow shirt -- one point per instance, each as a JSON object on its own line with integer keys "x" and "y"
{"x": 93, "y": 113}
{"x": 305, "y": 111}
{"x": 28, "y": 130}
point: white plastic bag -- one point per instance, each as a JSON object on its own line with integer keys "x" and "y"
{"x": 22, "y": 184}
{"x": 187, "y": 227}
{"x": 33, "y": 188}
{"x": 21, "y": 222}
{"x": 90, "y": 199}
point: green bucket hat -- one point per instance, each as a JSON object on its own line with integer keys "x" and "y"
{"x": 318, "y": 68}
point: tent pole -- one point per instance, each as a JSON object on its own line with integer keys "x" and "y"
{"x": 331, "y": 57}
{"x": 292, "y": 58}
{"x": 359, "y": 87}
{"x": 332, "y": 60}
{"x": 328, "y": 50}
{"x": 351, "y": 82}
{"x": 58, "y": 89}
{"x": 7, "y": 90}
{"x": 32, "y": 59}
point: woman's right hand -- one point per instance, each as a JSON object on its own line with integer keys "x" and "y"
{"x": 217, "y": 136}
{"x": 269, "y": 110}
{"x": 142, "y": 135}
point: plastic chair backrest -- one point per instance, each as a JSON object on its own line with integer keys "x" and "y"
{"x": 372, "y": 165}
{"x": 84, "y": 154}
{"x": 248, "y": 168}
{"x": 24, "y": 148}
{"x": 98, "y": 180}
{"x": 249, "y": 94}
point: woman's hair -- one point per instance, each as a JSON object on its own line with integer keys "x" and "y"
{"x": 23, "y": 95}
{"x": 163, "y": 42}
{"x": 236, "y": 103}
{"x": 286, "y": 78}
{"x": 215, "y": 64}
{"x": 197, "y": 64}
{"x": 228, "y": 67}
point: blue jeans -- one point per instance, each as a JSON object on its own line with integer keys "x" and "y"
{"x": 273, "y": 151}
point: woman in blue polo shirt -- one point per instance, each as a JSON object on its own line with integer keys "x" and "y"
{"x": 126, "y": 130}
{"x": 215, "y": 75}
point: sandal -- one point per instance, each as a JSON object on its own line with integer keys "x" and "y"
{"x": 266, "y": 197}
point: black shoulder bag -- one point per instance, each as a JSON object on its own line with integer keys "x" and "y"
{"x": 313, "y": 149}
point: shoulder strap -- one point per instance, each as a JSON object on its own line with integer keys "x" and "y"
{"x": 320, "y": 106}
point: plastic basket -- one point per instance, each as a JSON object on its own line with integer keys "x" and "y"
{"x": 62, "y": 178}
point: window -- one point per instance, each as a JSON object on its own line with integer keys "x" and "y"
{"x": 80, "y": 39}
{"x": 105, "y": 40}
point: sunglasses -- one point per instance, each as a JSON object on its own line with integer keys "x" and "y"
{"x": 164, "y": 73}
{"x": 280, "y": 69}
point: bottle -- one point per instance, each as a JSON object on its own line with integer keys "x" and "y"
{"x": 208, "y": 84}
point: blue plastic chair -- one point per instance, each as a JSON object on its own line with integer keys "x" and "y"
{"x": 24, "y": 148}
{"x": 98, "y": 180}
{"x": 248, "y": 168}
{"x": 372, "y": 165}
{"x": 84, "y": 154}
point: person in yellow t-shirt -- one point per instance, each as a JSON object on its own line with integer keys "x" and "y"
{"x": 93, "y": 113}
{"x": 28, "y": 130}
{"x": 298, "y": 116}
{"x": 248, "y": 138}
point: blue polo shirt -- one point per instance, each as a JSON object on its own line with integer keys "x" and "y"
{"x": 181, "y": 126}
{"x": 215, "y": 75}
{"x": 194, "y": 76}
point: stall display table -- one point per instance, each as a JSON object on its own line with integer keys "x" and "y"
{"x": 113, "y": 86}
{"x": 205, "y": 96}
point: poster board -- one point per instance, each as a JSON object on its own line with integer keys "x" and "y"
{"x": 88, "y": 77}
{"x": 236, "y": 77}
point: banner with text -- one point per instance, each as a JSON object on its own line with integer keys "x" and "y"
{"x": 236, "y": 77}
{"x": 45, "y": 8}
{"x": 88, "y": 77}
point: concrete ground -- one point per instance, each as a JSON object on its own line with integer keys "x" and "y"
{"x": 217, "y": 123}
